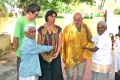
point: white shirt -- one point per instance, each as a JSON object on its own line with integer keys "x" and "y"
{"x": 103, "y": 54}
{"x": 117, "y": 58}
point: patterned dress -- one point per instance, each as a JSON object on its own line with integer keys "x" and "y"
{"x": 50, "y": 70}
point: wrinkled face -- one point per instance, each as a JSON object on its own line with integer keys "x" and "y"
{"x": 101, "y": 29}
{"x": 34, "y": 15}
{"x": 77, "y": 20}
{"x": 51, "y": 18}
{"x": 32, "y": 33}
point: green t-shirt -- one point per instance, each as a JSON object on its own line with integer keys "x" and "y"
{"x": 19, "y": 31}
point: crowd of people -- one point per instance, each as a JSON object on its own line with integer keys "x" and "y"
{"x": 74, "y": 45}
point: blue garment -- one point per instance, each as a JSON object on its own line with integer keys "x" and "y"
{"x": 30, "y": 65}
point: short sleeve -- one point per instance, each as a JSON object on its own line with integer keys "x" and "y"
{"x": 94, "y": 39}
{"x": 40, "y": 28}
{"x": 59, "y": 28}
{"x": 17, "y": 30}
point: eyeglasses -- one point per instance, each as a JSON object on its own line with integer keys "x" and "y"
{"x": 36, "y": 14}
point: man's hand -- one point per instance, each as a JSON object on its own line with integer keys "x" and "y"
{"x": 84, "y": 47}
{"x": 15, "y": 43}
{"x": 83, "y": 59}
{"x": 63, "y": 61}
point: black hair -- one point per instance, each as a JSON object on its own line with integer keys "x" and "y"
{"x": 119, "y": 27}
{"x": 49, "y": 13}
{"x": 112, "y": 37}
{"x": 116, "y": 35}
{"x": 33, "y": 7}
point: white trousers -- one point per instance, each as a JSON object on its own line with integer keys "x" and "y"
{"x": 28, "y": 78}
{"x": 80, "y": 71}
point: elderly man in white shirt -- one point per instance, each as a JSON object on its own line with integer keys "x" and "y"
{"x": 101, "y": 58}
{"x": 117, "y": 60}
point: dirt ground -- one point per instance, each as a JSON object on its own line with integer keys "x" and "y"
{"x": 8, "y": 67}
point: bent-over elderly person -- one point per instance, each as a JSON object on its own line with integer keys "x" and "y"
{"x": 30, "y": 65}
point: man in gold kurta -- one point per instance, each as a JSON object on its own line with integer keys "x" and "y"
{"x": 76, "y": 35}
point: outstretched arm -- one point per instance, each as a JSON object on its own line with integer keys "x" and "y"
{"x": 89, "y": 35}
{"x": 91, "y": 49}
{"x": 39, "y": 42}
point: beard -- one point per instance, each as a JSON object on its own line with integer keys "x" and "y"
{"x": 77, "y": 24}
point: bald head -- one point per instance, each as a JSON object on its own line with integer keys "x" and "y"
{"x": 77, "y": 19}
{"x": 77, "y": 14}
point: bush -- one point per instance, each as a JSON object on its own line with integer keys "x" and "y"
{"x": 117, "y": 10}
{"x": 98, "y": 15}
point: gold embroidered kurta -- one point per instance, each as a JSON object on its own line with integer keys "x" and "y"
{"x": 72, "y": 45}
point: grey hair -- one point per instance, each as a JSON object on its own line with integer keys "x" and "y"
{"x": 28, "y": 26}
{"x": 102, "y": 22}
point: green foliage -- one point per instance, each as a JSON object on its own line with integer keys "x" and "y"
{"x": 2, "y": 7}
{"x": 98, "y": 15}
{"x": 5, "y": 5}
{"x": 60, "y": 6}
{"x": 68, "y": 9}
{"x": 3, "y": 10}
{"x": 117, "y": 10}
{"x": 11, "y": 3}
{"x": 67, "y": 1}
{"x": 89, "y": 2}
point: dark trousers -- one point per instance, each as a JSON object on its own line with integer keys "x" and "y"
{"x": 117, "y": 77}
{"x": 18, "y": 64}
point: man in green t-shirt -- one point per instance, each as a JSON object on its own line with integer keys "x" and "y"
{"x": 32, "y": 12}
